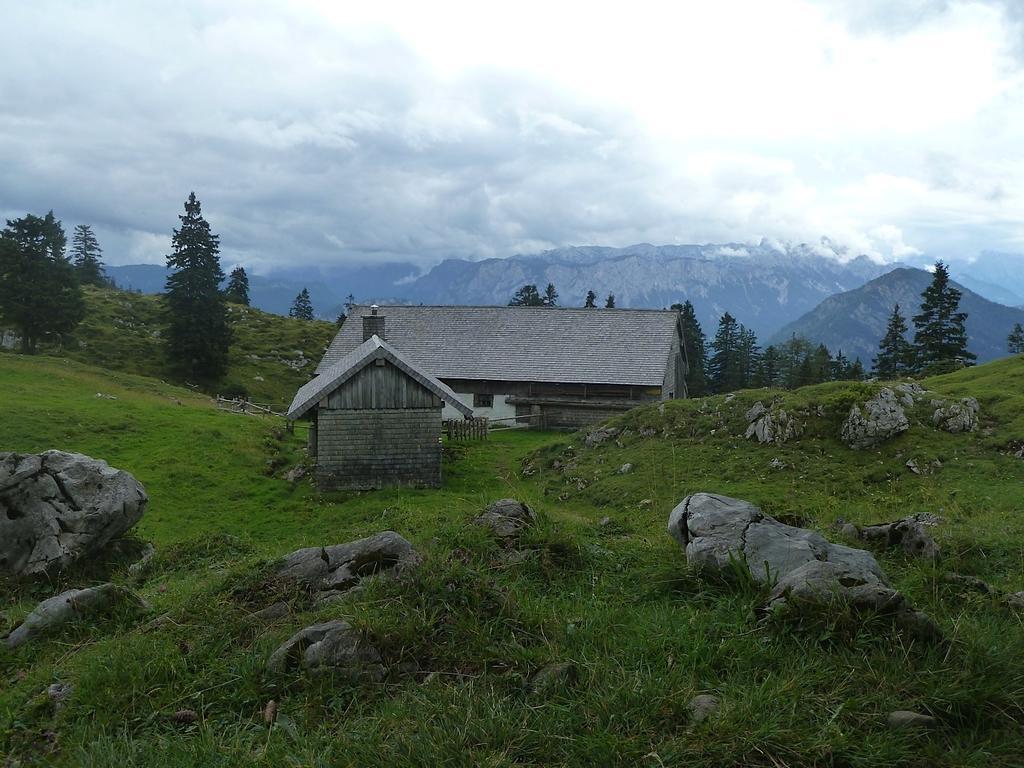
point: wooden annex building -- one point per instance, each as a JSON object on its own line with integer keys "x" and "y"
{"x": 548, "y": 367}
{"x": 375, "y": 419}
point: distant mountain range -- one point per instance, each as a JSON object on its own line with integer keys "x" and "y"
{"x": 763, "y": 286}
{"x": 767, "y": 287}
{"x": 855, "y": 321}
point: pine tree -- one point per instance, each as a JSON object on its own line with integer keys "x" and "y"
{"x": 527, "y": 296}
{"x": 695, "y": 350}
{"x": 768, "y": 368}
{"x": 198, "y": 335}
{"x": 749, "y": 357}
{"x": 550, "y": 296}
{"x": 591, "y": 301}
{"x": 86, "y": 252}
{"x": 895, "y": 354}
{"x": 941, "y": 337}
{"x": 237, "y": 290}
{"x": 39, "y": 292}
{"x": 856, "y": 372}
{"x": 609, "y": 303}
{"x": 724, "y": 364}
{"x": 302, "y": 307}
{"x": 1015, "y": 341}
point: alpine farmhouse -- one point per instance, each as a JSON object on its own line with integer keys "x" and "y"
{"x": 547, "y": 367}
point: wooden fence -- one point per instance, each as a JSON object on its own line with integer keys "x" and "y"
{"x": 244, "y": 406}
{"x": 466, "y": 429}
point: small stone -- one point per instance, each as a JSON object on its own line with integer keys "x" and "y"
{"x": 625, "y": 469}
{"x": 777, "y": 463}
{"x": 507, "y": 518}
{"x": 270, "y": 712}
{"x": 702, "y": 707}
{"x": 904, "y": 719}
{"x": 604, "y": 522}
{"x": 1015, "y": 600}
{"x": 272, "y": 612}
{"x": 645, "y": 502}
{"x": 58, "y": 693}
{"x": 912, "y": 466}
{"x": 333, "y": 646}
{"x": 552, "y": 676}
{"x": 970, "y": 582}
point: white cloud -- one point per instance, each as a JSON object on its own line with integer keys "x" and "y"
{"x": 321, "y": 131}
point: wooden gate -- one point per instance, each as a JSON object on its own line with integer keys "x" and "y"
{"x": 466, "y": 429}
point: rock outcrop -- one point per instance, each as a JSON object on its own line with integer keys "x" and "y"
{"x": 57, "y": 507}
{"x": 507, "y": 518}
{"x": 73, "y": 604}
{"x": 771, "y": 425}
{"x": 720, "y": 533}
{"x": 881, "y": 419}
{"x": 341, "y": 567}
{"x": 960, "y": 416}
{"x": 333, "y": 647}
{"x": 909, "y": 534}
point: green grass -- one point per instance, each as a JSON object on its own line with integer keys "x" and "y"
{"x": 617, "y": 600}
{"x": 271, "y": 356}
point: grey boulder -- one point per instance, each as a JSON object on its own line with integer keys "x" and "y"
{"x": 961, "y": 416}
{"x": 909, "y": 534}
{"x": 881, "y": 419}
{"x": 341, "y": 567}
{"x": 507, "y": 518}
{"x": 771, "y": 425}
{"x": 57, "y": 507}
{"x": 720, "y": 534}
{"x": 73, "y": 604}
{"x": 333, "y": 646}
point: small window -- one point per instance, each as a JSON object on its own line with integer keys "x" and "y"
{"x": 483, "y": 401}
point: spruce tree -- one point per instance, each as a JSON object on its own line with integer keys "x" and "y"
{"x": 768, "y": 368}
{"x": 856, "y": 372}
{"x": 749, "y": 357}
{"x": 550, "y": 296}
{"x": 591, "y": 301}
{"x": 895, "y": 354}
{"x": 237, "y": 290}
{"x": 695, "y": 349}
{"x": 609, "y": 303}
{"x": 1015, "y": 341}
{"x": 198, "y": 335}
{"x": 724, "y": 364}
{"x": 527, "y": 296}
{"x": 86, "y": 252}
{"x": 302, "y": 307}
{"x": 941, "y": 337}
{"x": 39, "y": 292}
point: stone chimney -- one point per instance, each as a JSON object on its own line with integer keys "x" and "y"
{"x": 373, "y": 324}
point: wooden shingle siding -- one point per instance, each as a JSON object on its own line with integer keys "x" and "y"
{"x": 379, "y": 448}
{"x": 382, "y": 386}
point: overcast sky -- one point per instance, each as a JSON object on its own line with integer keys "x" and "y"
{"x": 318, "y": 132}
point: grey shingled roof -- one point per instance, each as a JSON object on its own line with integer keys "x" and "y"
{"x": 580, "y": 346}
{"x": 347, "y": 366}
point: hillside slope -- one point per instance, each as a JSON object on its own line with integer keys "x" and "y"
{"x": 271, "y": 356}
{"x": 475, "y": 623}
{"x": 855, "y": 321}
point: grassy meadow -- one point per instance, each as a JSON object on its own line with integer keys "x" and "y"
{"x": 476, "y": 621}
{"x": 271, "y": 356}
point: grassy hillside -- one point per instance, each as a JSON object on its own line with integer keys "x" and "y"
{"x": 644, "y": 633}
{"x": 271, "y": 356}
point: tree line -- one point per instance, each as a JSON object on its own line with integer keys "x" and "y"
{"x": 41, "y": 294}
{"x": 529, "y": 296}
